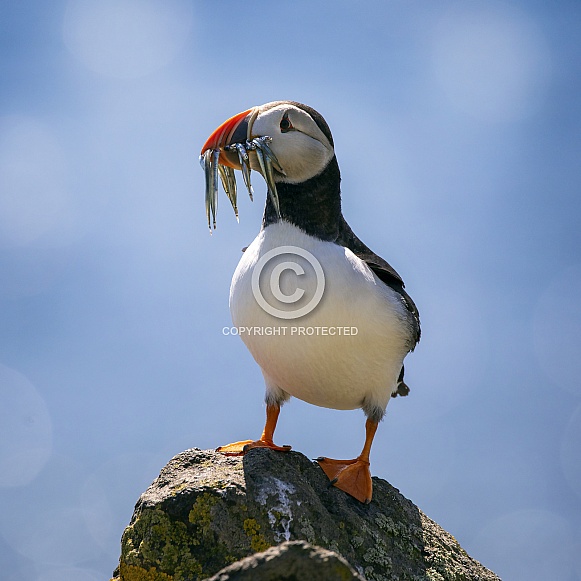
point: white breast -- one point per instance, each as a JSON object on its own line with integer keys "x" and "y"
{"x": 345, "y": 352}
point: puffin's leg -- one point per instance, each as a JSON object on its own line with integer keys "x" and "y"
{"x": 240, "y": 448}
{"x": 353, "y": 476}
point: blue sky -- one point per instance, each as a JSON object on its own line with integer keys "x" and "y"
{"x": 457, "y": 130}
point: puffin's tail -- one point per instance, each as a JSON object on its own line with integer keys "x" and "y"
{"x": 402, "y": 388}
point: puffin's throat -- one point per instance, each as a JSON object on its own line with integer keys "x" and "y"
{"x": 313, "y": 205}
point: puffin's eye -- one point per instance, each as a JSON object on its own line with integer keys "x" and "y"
{"x": 285, "y": 124}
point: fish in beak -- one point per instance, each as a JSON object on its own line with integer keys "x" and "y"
{"x": 232, "y": 146}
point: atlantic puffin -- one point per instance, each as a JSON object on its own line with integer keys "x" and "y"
{"x": 351, "y": 350}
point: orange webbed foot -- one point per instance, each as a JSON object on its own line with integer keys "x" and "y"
{"x": 265, "y": 441}
{"x": 240, "y": 448}
{"x": 234, "y": 449}
{"x": 351, "y": 476}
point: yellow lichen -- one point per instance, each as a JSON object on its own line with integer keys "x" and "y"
{"x": 178, "y": 487}
{"x": 258, "y": 541}
{"x": 154, "y": 544}
{"x": 134, "y": 573}
{"x": 201, "y": 514}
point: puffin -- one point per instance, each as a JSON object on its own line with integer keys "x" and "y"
{"x": 327, "y": 320}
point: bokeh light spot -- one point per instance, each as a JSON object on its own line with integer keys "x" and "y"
{"x": 34, "y": 201}
{"x": 107, "y": 510}
{"x": 571, "y": 451}
{"x": 527, "y": 545}
{"x": 70, "y": 574}
{"x": 557, "y": 328}
{"x": 59, "y": 537}
{"x": 491, "y": 61}
{"x": 25, "y": 429}
{"x": 126, "y": 38}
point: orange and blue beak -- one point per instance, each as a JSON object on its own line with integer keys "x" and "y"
{"x": 233, "y": 130}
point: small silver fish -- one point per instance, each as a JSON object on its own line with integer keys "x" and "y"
{"x": 206, "y": 160}
{"x": 264, "y": 141}
{"x": 210, "y": 162}
{"x": 266, "y": 166}
{"x": 229, "y": 185}
{"x": 245, "y": 163}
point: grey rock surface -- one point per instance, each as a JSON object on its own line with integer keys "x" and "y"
{"x": 206, "y": 511}
{"x": 290, "y": 560}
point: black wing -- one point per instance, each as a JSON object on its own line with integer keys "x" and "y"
{"x": 383, "y": 270}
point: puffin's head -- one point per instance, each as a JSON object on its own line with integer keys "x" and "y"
{"x": 300, "y": 139}
{"x": 285, "y": 141}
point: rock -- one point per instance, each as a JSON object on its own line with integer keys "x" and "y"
{"x": 290, "y": 560}
{"x": 205, "y": 511}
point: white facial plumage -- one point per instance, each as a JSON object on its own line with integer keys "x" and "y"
{"x": 302, "y": 148}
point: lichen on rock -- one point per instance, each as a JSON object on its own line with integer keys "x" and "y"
{"x": 207, "y": 511}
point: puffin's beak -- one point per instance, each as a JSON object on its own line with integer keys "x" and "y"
{"x": 228, "y": 149}
{"x": 233, "y": 130}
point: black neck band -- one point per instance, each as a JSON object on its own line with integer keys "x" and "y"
{"x": 314, "y": 205}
